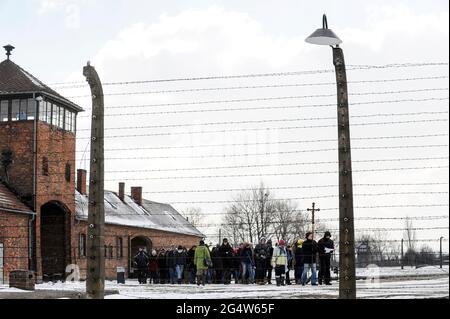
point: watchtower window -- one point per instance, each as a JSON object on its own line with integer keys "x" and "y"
{"x": 4, "y": 111}
{"x": 45, "y": 166}
{"x": 23, "y": 110}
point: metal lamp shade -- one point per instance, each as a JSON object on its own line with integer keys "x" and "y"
{"x": 324, "y": 37}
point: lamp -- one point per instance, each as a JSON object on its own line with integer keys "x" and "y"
{"x": 324, "y": 36}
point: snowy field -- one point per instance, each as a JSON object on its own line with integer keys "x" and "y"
{"x": 433, "y": 284}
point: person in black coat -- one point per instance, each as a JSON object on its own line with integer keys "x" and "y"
{"x": 226, "y": 255}
{"x": 191, "y": 265}
{"x": 170, "y": 261}
{"x": 162, "y": 266}
{"x": 261, "y": 252}
{"x": 309, "y": 250}
{"x": 217, "y": 265}
{"x": 141, "y": 262}
{"x": 269, "y": 261}
{"x": 179, "y": 257}
{"x": 325, "y": 248}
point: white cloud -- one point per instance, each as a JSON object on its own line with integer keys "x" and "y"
{"x": 224, "y": 40}
{"x": 70, "y": 9}
{"x": 398, "y": 25}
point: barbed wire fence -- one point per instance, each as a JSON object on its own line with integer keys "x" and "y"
{"x": 144, "y": 141}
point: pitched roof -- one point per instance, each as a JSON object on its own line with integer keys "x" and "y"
{"x": 150, "y": 215}
{"x": 9, "y": 201}
{"x": 14, "y": 79}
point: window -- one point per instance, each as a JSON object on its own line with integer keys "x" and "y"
{"x": 110, "y": 251}
{"x": 4, "y": 111}
{"x": 82, "y": 245}
{"x": 68, "y": 172}
{"x": 61, "y": 117}
{"x": 119, "y": 247}
{"x": 15, "y": 110}
{"x": 45, "y": 112}
{"x": 105, "y": 251}
{"x": 48, "y": 106}
{"x": 23, "y": 110}
{"x": 45, "y": 166}
{"x": 31, "y": 109}
{"x": 55, "y": 113}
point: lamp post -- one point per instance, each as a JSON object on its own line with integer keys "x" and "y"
{"x": 347, "y": 280}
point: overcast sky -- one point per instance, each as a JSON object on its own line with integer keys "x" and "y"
{"x": 145, "y": 40}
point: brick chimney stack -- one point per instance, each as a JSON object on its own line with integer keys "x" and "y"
{"x": 136, "y": 195}
{"x": 81, "y": 181}
{"x": 122, "y": 191}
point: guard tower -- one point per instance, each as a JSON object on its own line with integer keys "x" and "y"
{"x": 37, "y": 162}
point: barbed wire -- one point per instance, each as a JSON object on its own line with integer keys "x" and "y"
{"x": 268, "y": 128}
{"x": 305, "y": 221}
{"x": 281, "y": 142}
{"x": 350, "y": 67}
{"x": 267, "y": 86}
{"x": 274, "y": 98}
{"x": 268, "y": 107}
{"x": 269, "y": 120}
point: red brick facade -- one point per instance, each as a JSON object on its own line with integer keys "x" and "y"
{"x": 159, "y": 239}
{"x": 14, "y": 237}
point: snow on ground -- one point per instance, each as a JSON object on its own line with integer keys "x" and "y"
{"x": 436, "y": 286}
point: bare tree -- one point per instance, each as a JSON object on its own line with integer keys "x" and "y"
{"x": 410, "y": 235}
{"x": 255, "y": 214}
{"x": 194, "y": 216}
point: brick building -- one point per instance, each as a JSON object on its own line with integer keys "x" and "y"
{"x": 43, "y": 210}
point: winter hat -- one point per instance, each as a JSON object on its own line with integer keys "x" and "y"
{"x": 180, "y": 247}
{"x": 202, "y": 242}
{"x": 153, "y": 252}
{"x": 327, "y": 234}
{"x": 300, "y": 243}
{"x": 281, "y": 242}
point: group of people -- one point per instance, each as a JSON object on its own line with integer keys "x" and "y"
{"x": 245, "y": 264}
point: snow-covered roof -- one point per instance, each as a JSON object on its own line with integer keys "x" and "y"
{"x": 150, "y": 215}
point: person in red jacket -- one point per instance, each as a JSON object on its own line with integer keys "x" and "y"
{"x": 153, "y": 268}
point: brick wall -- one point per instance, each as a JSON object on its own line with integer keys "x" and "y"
{"x": 14, "y": 237}
{"x": 18, "y": 137}
{"x": 159, "y": 240}
{"x": 58, "y": 147}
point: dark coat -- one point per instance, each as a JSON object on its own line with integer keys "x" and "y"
{"x": 309, "y": 250}
{"x": 141, "y": 260}
{"x": 216, "y": 258}
{"x": 298, "y": 256}
{"x": 261, "y": 252}
{"x": 162, "y": 262}
{"x": 179, "y": 258}
{"x": 325, "y": 243}
{"x": 226, "y": 254}
{"x": 247, "y": 256}
{"x": 269, "y": 256}
{"x": 190, "y": 258}
{"x": 170, "y": 257}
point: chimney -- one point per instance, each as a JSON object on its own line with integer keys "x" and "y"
{"x": 81, "y": 181}
{"x": 122, "y": 191}
{"x": 136, "y": 195}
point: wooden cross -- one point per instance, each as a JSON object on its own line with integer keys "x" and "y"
{"x": 313, "y": 210}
